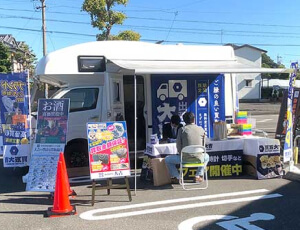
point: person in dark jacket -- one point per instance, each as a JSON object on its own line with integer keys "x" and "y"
{"x": 170, "y": 130}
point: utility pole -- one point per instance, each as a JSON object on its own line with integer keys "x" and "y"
{"x": 279, "y": 59}
{"x": 44, "y": 37}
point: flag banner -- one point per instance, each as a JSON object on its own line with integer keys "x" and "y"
{"x": 14, "y": 113}
{"x": 288, "y": 144}
{"x": 14, "y": 108}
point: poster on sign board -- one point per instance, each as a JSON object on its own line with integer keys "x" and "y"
{"x": 108, "y": 149}
{"x": 52, "y": 121}
{"x": 42, "y": 173}
{"x": 175, "y": 94}
{"x": 269, "y": 165}
{"x": 50, "y": 141}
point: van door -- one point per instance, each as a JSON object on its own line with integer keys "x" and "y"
{"x": 129, "y": 111}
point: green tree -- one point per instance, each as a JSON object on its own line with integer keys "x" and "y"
{"x": 26, "y": 57}
{"x": 128, "y": 35}
{"x": 104, "y": 17}
{"x": 267, "y": 62}
{"x": 5, "y": 62}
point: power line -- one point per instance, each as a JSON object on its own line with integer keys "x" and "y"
{"x": 189, "y": 4}
{"x": 217, "y": 22}
{"x": 177, "y": 29}
{"x": 170, "y": 41}
{"x": 175, "y": 15}
{"x": 177, "y": 20}
{"x": 49, "y": 11}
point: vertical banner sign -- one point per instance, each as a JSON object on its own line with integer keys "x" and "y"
{"x": 108, "y": 149}
{"x": 14, "y": 110}
{"x": 50, "y": 141}
{"x": 288, "y": 144}
{"x": 176, "y": 94}
{"x": 202, "y": 118}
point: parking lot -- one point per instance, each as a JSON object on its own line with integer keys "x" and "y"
{"x": 242, "y": 202}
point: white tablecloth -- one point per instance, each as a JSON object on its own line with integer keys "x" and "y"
{"x": 253, "y": 147}
{"x": 250, "y": 146}
{"x": 211, "y": 146}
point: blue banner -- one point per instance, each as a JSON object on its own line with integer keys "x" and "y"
{"x": 288, "y": 144}
{"x": 175, "y": 94}
{"x": 14, "y": 108}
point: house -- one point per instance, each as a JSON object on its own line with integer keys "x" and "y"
{"x": 248, "y": 85}
{"x": 15, "y": 48}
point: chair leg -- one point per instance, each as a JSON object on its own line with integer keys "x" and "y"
{"x": 184, "y": 185}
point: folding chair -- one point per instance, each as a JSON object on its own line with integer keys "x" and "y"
{"x": 192, "y": 156}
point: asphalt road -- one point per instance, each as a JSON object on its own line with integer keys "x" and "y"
{"x": 236, "y": 203}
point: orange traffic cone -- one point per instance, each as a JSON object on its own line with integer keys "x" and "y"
{"x": 71, "y": 192}
{"x": 61, "y": 204}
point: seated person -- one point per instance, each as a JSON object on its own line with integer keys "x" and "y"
{"x": 190, "y": 134}
{"x": 170, "y": 130}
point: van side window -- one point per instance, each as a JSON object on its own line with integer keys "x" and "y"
{"x": 82, "y": 99}
{"x": 116, "y": 92}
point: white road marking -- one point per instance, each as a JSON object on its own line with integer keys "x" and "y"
{"x": 229, "y": 222}
{"x": 90, "y": 214}
{"x": 245, "y": 223}
{"x": 189, "y": 223}
{"x": 274, "y": 128}
{"x": 264, "y": 115}
{"x": 101, "y": 210}
{"x": 264, "y": 120}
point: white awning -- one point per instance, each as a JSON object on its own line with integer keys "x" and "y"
{"x": 190, "y": 67}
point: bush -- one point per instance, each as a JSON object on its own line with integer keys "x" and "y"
{"x": 266, "y": 93}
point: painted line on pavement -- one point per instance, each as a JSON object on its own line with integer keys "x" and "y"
{"x": 162, "y": 202}
{"x": 90, "y": 214}
{"x": 178, "y": 200}
{"x": 264, "y": 120}
{"x": 263, "y": 115}
{"x": 268, "y": 128}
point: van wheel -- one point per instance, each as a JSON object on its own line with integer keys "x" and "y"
{"x": 76, "y": 154}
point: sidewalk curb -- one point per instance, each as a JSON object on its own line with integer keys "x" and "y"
{"x": 292, "y": 176}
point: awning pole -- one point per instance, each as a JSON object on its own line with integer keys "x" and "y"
{"x": 135, "y": 134}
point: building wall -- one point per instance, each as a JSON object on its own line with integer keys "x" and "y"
{"x": 249, "y": 56}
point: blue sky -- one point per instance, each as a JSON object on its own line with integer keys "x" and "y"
{"x": 270, "y": 25}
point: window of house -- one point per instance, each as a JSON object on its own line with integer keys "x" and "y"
{"x": 248, "y": 83}
{"x": 82, "y": 99}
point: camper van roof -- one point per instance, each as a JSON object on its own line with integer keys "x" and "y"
{"x": 142, "y": 57}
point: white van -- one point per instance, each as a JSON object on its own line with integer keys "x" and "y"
{"x": 100, "y": 77}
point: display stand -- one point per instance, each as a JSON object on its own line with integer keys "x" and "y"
{"x": 110, "y": 186}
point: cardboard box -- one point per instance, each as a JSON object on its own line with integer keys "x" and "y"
{"x": 161, "y": 174}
